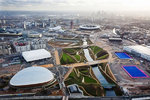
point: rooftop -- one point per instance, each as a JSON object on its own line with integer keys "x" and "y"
{"x": 141, "y": 49}
{"x": 31, "y": 76}
{"x": 36, "y": 55}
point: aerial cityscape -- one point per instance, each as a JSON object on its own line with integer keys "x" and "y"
{"x": 74, "y": 55}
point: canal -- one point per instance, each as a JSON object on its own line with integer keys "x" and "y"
{"x": 106, "y": 85}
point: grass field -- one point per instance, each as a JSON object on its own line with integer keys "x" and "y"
{"x": 77, "y": 57}
{"x": 99, "y": 52}
{"x": 96, "y": 49}
{"x": 72, "y": 55}
{"x": 103, "y": 57}
{"x": 66, "y": 59}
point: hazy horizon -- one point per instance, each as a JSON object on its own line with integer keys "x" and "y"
{"x": 120, "y": 6}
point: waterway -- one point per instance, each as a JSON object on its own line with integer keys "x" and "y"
{"x": 98, "y": 74}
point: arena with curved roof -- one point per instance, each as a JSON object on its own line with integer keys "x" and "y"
{"x": 32, "y": 76}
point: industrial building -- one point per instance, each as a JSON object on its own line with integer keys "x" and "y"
{"x": 138, "y": 50}
{"x": 115, "y": 39}
{"x": 32, "y": 77}
{"x": 34, "y": 55}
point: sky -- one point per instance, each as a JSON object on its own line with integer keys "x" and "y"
{"x": 76, "y": 5}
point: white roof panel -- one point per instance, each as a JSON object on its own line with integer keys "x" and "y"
{"x": 140, "y": 49}
{"x": 36, "y": 55}
{"x": 31, "y": 76}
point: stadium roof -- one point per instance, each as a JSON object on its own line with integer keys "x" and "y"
{"x": 31, "y": 76}
{"x": 89, "y": 27}
{"x": 55, "y": 28}
{"x": 140, "y": 49}
{"x": 36, "y": 55}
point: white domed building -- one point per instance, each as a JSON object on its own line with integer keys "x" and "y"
{"x": 32, "y": 77}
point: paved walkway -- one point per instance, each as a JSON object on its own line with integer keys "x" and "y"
{"x": 87, "y": 63}
{"x": 57, "y": 57}
{"x": 48, "y": 65}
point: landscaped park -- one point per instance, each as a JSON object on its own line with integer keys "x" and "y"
{"x": 76, "y": 55}
{"x": 88, "y": 83}
{"x": 83, "y": 76}
{"x": 98, "y": 53}
{"x": 72, "y": 55}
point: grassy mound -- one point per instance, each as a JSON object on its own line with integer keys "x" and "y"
{"x": 99, "y": 53}
{"x": 66, "y": 59}
{"x": 72, "y": 55}
{"x": 96, "y": 49}
{"x": 77, "y": 57}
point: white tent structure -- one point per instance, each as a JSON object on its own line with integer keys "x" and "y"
{"x": 32, "y": 76}
{"x": 139, "y": 50}
{"x": 36, "y": 55}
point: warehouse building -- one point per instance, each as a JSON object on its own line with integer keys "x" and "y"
{"x": 115, "y": 39}
{"x": 34, "y": 55}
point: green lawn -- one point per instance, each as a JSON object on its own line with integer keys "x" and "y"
{"x": 96, "y": 49}
{"x": 83, "y": 71}
{"x": 69, "y": 56}
{"x": 66, "y": 59}
{"x": 77, "y": 57}
{"x": 99, "y": 52}
{"x": 103, "y": 57}
{"x": 89, "y": 80}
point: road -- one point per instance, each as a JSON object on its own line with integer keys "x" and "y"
{"x": 57, "y": 57}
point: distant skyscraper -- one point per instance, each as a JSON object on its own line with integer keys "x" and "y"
{"x": 4, "y": 22}
{"x": 24, "y": 25}
{"x": 77, "y": 21}
{"x": 43, "y": 24}
{"x": 49, "y": 22}
{"x": 71, "y": 24}
{"x": 0, "y": 23}
{"x": 35, "y": 24}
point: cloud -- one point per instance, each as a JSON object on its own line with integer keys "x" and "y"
{"x": 19, "y": 2}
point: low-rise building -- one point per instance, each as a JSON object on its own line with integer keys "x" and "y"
{"x": 34, "y": 55}
{"x": 5, "y": 48}
{"x": 38, "y": 44}
{"x": 21, "y": 46}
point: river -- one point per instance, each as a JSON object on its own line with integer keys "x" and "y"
{"x": 98, "y": 74}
